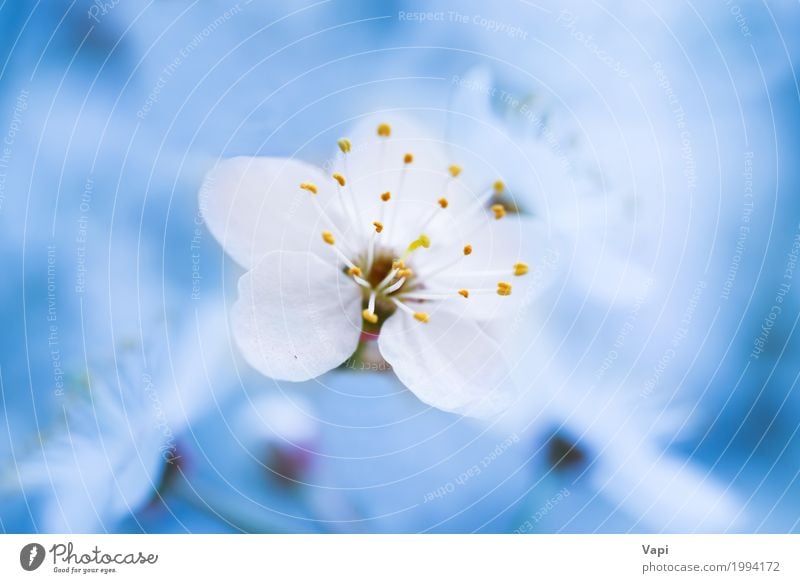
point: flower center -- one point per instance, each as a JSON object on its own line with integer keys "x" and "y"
{"x": 387, "y": 281}
{"x": 381, "y": 267}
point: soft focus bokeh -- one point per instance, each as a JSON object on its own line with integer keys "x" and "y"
{"x": 659, "y": 369}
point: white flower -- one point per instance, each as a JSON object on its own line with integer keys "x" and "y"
{"x": 121, "y": 429}
{"x": 103, "y": 464}
{"x": 391, "y": 243}
{"x": 594, "y": 221}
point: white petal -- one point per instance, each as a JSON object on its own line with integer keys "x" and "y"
{"x": 448, "y": 363}
{"x": 297, "y": 316}
{"x": 255, "y": 205}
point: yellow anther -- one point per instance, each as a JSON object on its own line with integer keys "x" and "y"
{"x": 386, "y": 196}
{"x": 378, "y": 226}
{"x": 443, "y": 202}
{"x": 327, "y": 236}
{"x": 454, "y": 169}
{"x": 340, "y": 179}
{"x": 499, "y": 211}
{"x": 384, "y": 130}
{"x": 370, "y": 317}
{"x": 354, "y": 271}
{"x": 408, "y": 158}
{"x": 422, "y": 317}
{"x": 503, "y": 288}
{"x": 344, "y": 145}
{"x": 467, "y": 249}
{"x": 309, "y": 186}
{"x": 520, "y": 268}
{"x": 464, "y": 292}
{"x": 499, "y": 186}
{"x": 398, "y": 264}
{"x": 405, "y": 273}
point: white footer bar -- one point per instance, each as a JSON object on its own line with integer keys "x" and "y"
{"x": 406, "y": 558}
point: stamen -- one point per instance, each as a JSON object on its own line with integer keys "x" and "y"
{"x": 369, "y": 314}
{"x": 378, "y": 226}
{"x": 407, "y": 159}
{"x": 435, "y": 295}
{"x": 519, "y": 269}
{"x": 480, "y": 202}
{"x": 309, "y": 186}
{"x": 395, "y": 286}
{"x": 398, "y": 268}
{"x": 353, "y": 270}
{"x": 345, "y": 146}
{"x": 499, "y": 186}
{"x": 499, "y": 211}
{"x": 385, "y": 197}
{"x": 362, "y": 282}
{"x": 434, "y": 213}
{"x": 444, "y": 267}
{"x": 312, "y": 188}
{"x": 448, "y": 294}
{"x": 421, "y": 316}
{"x": 348, "y": 210}
{"x": 371, "y": 250}
{"x": 384, "y": 130}
{"x": 389, "y": 277}
{"x": 454, "y": 170}
{"x": 503, "y": 288}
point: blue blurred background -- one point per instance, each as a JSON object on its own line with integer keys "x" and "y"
{"x": 126, "y": 407}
